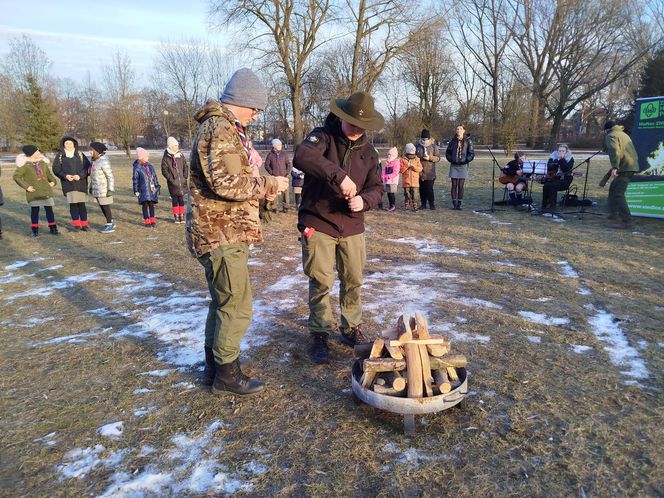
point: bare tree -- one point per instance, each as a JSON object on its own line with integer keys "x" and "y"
{"x": 481, "y": 35}
{"x": 221, "y": 64}
{"x": 11, "y": 116}
{"x": 26, "y": 59}
{"x": 427, "y": 67}
{"x": 92, "y": 108}
{"x": 290, "y": 29}
{"x": 124, "y": 114}
{"x": 183, "y": 68}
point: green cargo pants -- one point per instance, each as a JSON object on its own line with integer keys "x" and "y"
{"x": 618, "y": 207}
{"x": 320, "y": 253}
{"x": 229, "y": 313}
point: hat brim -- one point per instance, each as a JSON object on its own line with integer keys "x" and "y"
{"x": 371, "y": 123}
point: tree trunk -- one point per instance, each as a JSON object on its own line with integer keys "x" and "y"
{"x": 296, "y": 103}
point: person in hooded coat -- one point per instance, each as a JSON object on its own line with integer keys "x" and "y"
{"x": 146, "y": 186}
{"x": 460, "y": 152}
{"x": 427, "y": 152}
{"x": 175, "y": 169}
{"x": 72, "y": 167}
{"x": 102, "y": 183}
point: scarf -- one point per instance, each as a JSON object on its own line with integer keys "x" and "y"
{"x": 39, "y": 171}
{"x": 459, "y": 148}
{"x": 243, "y": 137}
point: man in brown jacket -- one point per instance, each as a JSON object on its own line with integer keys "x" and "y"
{"x": 222, "y": 220}
{"x": 341, "y": 182}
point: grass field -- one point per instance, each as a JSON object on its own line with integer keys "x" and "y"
{"x": 101, "y": 340}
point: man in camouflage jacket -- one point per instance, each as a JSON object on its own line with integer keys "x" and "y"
{"x": 222, "y": 220}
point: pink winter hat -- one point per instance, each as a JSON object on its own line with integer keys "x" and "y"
{"x": 392, "y": 154}
{"x": 142, "y": 154}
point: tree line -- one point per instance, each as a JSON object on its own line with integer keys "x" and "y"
{"x": 513, "y": 71}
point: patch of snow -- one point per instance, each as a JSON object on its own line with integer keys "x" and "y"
{"x": 581, "y": 349}
{"x": 476, "y": 303}
{"x": 583, "y": 291}
{"x": 21, "y": 264}
{"x": 412, "y": 458}
{"x": 146, "y": 450}
{"x": 185, "y": 386}
{"x": 495, "y": 251}
{"x": 143, "y": 390}
{"x": 81, "y": 461}
{"x": 159, "y": 373}
{"x": 534, "y": 339}
{"x": 496, "y": 222}
{"x": 47, "y": 440}
{"x": 142, "y": 411}
{"x": 542, "y": 319}
{"x": 465, "y": 337}
{"x": 255, "y": 468}
{"x": 568, "y": 270}
{"x": 617, "y": 346}
{"x": 427, "y": 246}
{"x": 504, "y": 263}
{"x": 112, "y": 430}
{"x": 73, "y": 338}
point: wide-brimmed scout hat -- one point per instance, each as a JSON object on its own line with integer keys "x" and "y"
{"x": 358, "y": 110}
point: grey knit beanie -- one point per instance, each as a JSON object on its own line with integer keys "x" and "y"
{"x": 244, "y": 89}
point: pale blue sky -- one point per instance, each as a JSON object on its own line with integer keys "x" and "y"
{"x": 81, "y": 35}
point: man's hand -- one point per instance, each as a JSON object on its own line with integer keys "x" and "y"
{"x": 30, "y": 188}
{"x": 614, "y": 172}
{"x": 348, "y": 188}
{"x": 356, "y": 203}
{"x": 77, "y": 178}
{"x": 282, "y": 184}
{"x": 270, "y": 197}
{"x": 69, "y": 178}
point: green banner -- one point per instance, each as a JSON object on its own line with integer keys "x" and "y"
{"x": 646, "y": 198}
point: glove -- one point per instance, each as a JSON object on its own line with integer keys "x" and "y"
{"x": 137, "y": 194}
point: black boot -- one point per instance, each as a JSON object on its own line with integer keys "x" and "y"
{"x": 459, "y": 205}
{"x": 512, "y": 198}
{"x": 35, "y": 231}
{"x": 229, "y": 378}
{"x": 319, "y": 352}
{"x": 207, "y": 378}
{"x": 54, "y": 229}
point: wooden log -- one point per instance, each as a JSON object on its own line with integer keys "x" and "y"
{"x": 422, "y": 327}
{"x": 442, "y": 381}
{"x": 426, "y": 370}
{"x": 380, "y": 381}
{"x": 401, "y": 342}
{"x": 368, "y": 378}
{"x": 437, "y": 349}
{"x": 414, "y": 379}
{"x": 450, "y": 360}
{"x": 394, "y": 351}
{"x": 452, "y": 374}
{"x": 383, "y": 365}
{"x": 395, "y": 380}
{"x": 388, "y": 391}
{"x": 377, "y": 348}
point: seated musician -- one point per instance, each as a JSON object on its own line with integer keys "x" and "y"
{"x": 559, "y": 176}
{"x": 514, "y": 179}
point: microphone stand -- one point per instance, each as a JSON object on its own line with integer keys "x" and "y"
{"x": 582, "y": 209}
{"x": 493, "y": 188}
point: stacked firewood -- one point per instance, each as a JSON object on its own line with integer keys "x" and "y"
{"x": 408, "y": 361}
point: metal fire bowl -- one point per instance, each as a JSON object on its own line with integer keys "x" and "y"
{"x": 409, "y": 406}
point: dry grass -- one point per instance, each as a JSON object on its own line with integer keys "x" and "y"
{"x": 542, "y": 421}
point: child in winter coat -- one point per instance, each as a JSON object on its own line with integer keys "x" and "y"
{"x": 175, "y": 169}
{"x": 35, "y": 177}
{"x": 72, "y": 166}
{"x": 298, "y": 182}
{"x": 390, "y": 176}
{"x": 102, "y": 183}
{"x": 146, "y": 186}
{"x": 410, "y": 171}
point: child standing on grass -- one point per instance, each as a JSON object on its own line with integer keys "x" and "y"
{"x": 390, "y": 176}
{"x": 72, "y": 166}
{"x": 410, "y": 172}
{"x": 34, "y": 176}
{"x": 146, "y": 186}
{"x": 175, "y": 169}
{"x": 102, "y": 183}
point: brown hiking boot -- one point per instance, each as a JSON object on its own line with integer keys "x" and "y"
{"x": 229, "y": 378}
{"x": 353, "y": 336}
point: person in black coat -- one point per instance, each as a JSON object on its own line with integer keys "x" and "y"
{"x": 72, "y": 167}
{"x": 460, "y": 152}
{"x": 175, "y": 169}
{"x": 559, "y": 177}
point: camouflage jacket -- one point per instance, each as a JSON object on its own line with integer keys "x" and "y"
{"x": 223, "y": 194}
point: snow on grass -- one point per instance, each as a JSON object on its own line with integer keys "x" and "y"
{"x": 412, "y": 458}
{"x": 621, "y": 354}
{"x": 73, "y": 338}
{"x": 21, "y": 264}
{"x": 580, "y": 348}
{"x": 542, "y": 319}
{"x": 474, "y": 302}
{"x": 159, "y": 373}
{"x": 568, "y": 270}
{"x": 495, "y": 251}
{"x": 465, "y": 337}
{"x": 427, "y": 246}
{"x": 583, "y": 291}
{"x": 496, "y": 222}
{"x": 31, "y": 322}
{"x": 142, "y": 390}
{"x": 142, "y": 411}
{"x": 80, "y": 461}
{"x": 113, "y": 430}
{"x": 505, "y": 263}
{"x": 185, "y": 386}
{"x": 47, "y": 439}
{"x": 534, "y": 339}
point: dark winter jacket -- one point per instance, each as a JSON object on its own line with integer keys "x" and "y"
{"x": 278, "y": 163}
{"x": 512, "y": 167}
{"x": 298, "y": 177}
{"x": 564, "y": 165}
{"x": 26, "y": 176}
{"x": 467, "y": 151}
{"x": 77, "y": 165}
{"x": 428, "y": 166}
{"x": 327, "y": 156}
{"x": 145, "y": 182}
{"x": 176, "y": 171}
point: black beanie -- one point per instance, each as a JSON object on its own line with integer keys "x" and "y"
{"x": 609, "y": 124}
{"x": 425, "y": 134}
{"x": 29, "y": 150}
{"x": 98, "y": 146}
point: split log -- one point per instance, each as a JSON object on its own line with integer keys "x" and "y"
{"x": 414, "y": 361}
{"x": 442, "y": 381}
{"x": 426, "y": 370}
{"x": 422, "y": 327}
{"x": 450, "y": 360}
{"x": 377, "y": 348}
{"x": 383, "y": 365}
{"x": 452, "y": 374}
{"x": 388, "y": 391}
{"x": 433, "y": 340}
{"x": 368, "y": 378}
{"x": 438, "y": 349}
{"x": 395, "y": 351}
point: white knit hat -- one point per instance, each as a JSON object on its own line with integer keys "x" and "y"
{"x": 171, "y": 142}
{"x": 410, "y": 149}
{"x": 276, "y": 143}
{"x": 392, "y": 154}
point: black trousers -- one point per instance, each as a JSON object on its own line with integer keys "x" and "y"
{"x": 550, "y": 192}
{"x": 426, "y": 194}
